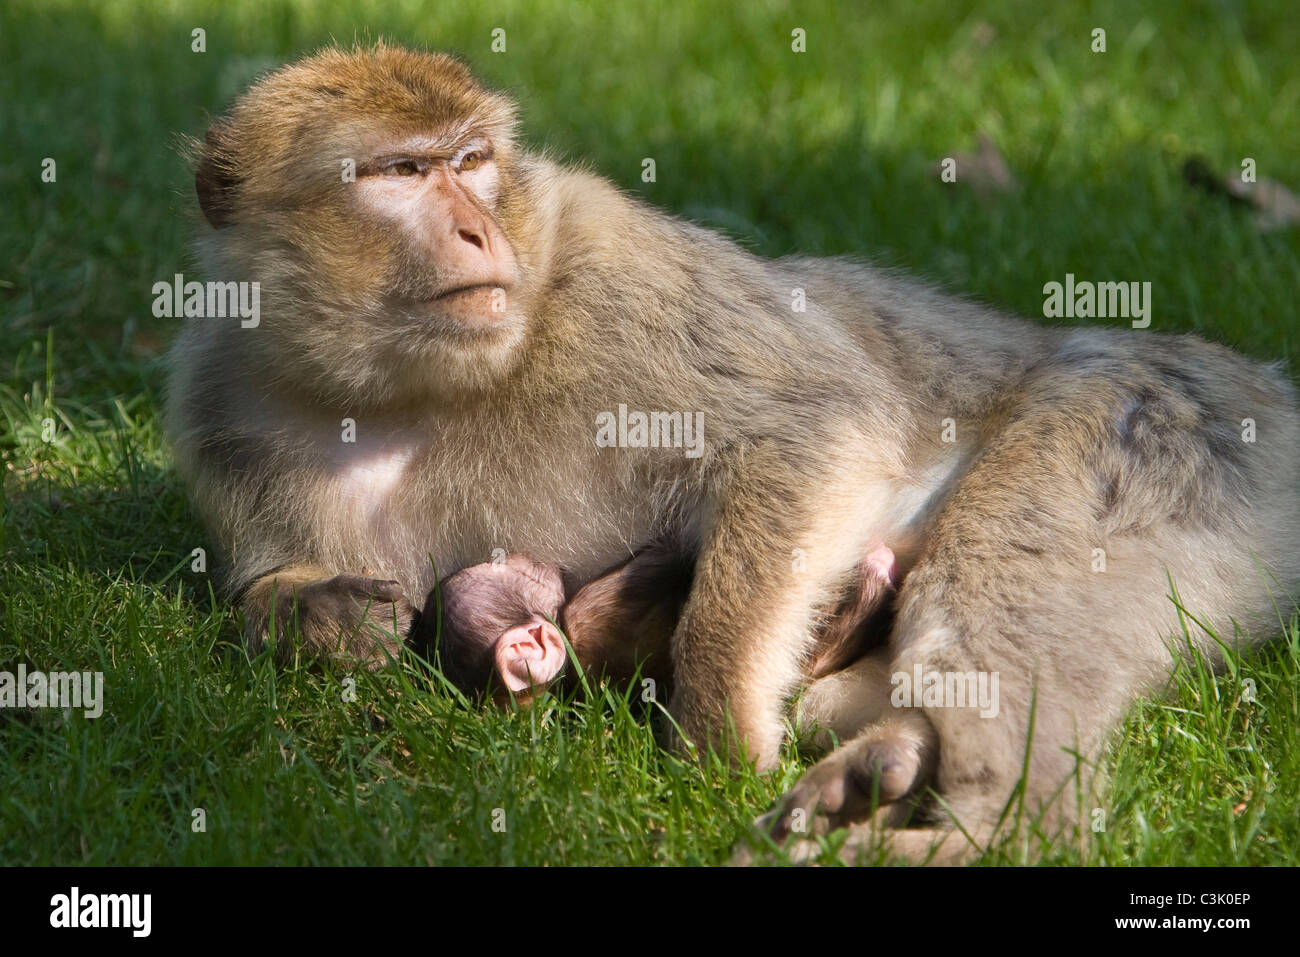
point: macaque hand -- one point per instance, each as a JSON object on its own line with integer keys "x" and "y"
{"x": 352, "y": 617}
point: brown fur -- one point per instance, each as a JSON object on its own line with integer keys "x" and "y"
{"x": 822, "y": 434}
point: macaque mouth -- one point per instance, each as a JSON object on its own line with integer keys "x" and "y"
{"x": 470, "y": 309}
{"x": 457, "y": 291}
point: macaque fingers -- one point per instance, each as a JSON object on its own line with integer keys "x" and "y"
{"x": 355, "y": 618}
{"x": 357, "y": 588}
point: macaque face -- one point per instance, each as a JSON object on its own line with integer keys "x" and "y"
{"x": 378, "y": 200}
{"x": 497, "y": 626}
{"x": 456, "y": 269}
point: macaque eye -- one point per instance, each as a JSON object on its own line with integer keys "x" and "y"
{"x": 470, "y": 160}
{"x": 402, "y": 168}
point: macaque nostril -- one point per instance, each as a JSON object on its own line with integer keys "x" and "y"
{"x": 472, "y": 238}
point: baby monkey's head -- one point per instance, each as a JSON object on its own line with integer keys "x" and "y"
{"x": 497, "y": 630}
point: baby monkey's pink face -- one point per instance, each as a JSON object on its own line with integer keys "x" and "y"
{"x": 497, "y": 625}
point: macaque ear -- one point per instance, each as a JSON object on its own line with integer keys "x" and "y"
{"x": 529, "y": 655}
{"x": 213, "y": 181}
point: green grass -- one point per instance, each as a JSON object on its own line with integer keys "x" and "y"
{"x": 824, "y": 152}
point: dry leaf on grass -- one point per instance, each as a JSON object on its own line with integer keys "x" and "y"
{"x": 985, "y": 170}
{"x": 1275, "y": 206}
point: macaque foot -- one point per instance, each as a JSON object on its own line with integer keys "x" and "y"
{"x": 879, "y": 842}
{"x": 351, "y": 618}
{"x": 869, "y": 778}
{"x": 869, "y": 843}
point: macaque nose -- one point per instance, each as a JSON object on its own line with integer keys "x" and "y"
{"x": 473, "y": 238}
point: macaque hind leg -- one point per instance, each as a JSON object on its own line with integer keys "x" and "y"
{"x": 1025, "y": 652}
{"x": 837, "y": 708}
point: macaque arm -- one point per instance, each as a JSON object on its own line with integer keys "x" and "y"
{"x": 740, "y": 648}
{"x": 263, "y": 605}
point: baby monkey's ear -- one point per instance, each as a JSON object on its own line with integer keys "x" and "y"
{"x": 530, "y": 655}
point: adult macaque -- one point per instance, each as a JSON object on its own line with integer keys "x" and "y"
{"x": 440, "y": 334}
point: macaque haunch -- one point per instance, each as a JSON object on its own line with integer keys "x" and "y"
{"x": 499, "y": 630}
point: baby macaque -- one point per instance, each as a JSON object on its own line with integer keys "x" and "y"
{"x": 498, "y": 621}
{"x": 499, "y": 632}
